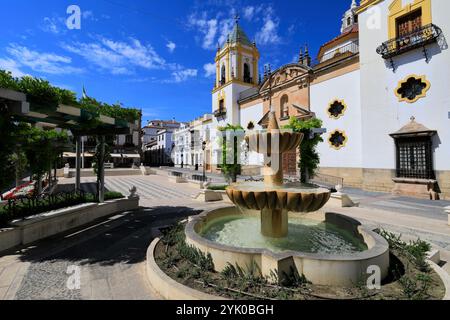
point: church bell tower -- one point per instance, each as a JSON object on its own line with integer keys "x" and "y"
{"x": 236, "y": 71}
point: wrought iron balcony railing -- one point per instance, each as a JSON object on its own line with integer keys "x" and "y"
{"x": 419, "y": 38}
{"x": 220, "y": 113}
{"x": 349, "y": 49}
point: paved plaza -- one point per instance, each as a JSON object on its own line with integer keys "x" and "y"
{"x": 109, "y": 254}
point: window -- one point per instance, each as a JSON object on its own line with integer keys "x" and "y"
{"x": 349, "y": 21}
{"x": 129, "y": 139}
{"x": 247, "y": 77}
{"x": 412, "y": 88}
{"x": 284, "y": 107}
{"x": 409, "y": 24}
{"x": 414, "y": 158}
{"x": 337, "y": 139}
{"x": 222, "y": 75}
{"x": 336, "y": 109}
{"x": 221, "y": 105}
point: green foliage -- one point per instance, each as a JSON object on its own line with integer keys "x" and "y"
{"x": 218, "y": 188}
{"x": 7, "y": 81}
{"x": 39, "y": 93}
{"x": 113, "y": 195}
{"x": 7, "y": 147}
{"x": 231, "y": 170}
{"x": 22, "y": 208}
{"x": 20, "y": 161}
{"x": 414, "y": 251}
{"x": 42, "y": 148}
{"x": 309, "y": 157}
{"x": 43, "y": 96}
{"x": 416, "y": 288}
{"x": 195, "y": 256}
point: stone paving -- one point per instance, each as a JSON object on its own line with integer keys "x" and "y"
{"x": 110, "y": 254}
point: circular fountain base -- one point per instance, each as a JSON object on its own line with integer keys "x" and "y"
{"x": 335, "y": 250}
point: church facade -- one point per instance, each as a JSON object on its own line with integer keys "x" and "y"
{"x": 381, "y": 88}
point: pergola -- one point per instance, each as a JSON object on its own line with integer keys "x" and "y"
{"x": 71, "y": 118}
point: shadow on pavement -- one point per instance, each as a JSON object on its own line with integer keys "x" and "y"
{"x": 120, "y": 239}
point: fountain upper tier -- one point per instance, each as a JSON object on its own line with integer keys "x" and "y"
{"x": 294, "y": 197}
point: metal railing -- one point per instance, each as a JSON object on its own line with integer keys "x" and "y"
{"x": 349, "y": 49}
{"x": 25, "y": 206}
{"x": 220, "y": 113}
{"x": 176, "y": 174}
{"x": 199, "y": 178}
{"x": 419, "y": 38}
{"x": 327, "y": 180}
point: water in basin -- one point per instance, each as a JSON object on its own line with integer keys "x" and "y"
{"x": 305, "y": 235}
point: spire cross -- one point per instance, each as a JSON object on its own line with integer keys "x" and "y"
{"x": 237, "y": 18}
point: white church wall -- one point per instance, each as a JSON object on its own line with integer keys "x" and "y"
{"x": 382, "y": 113}
{"x": 347, "y": 88}
{"x": 253, "y": 114}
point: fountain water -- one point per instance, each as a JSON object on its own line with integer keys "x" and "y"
{"x": 274, "y": 198}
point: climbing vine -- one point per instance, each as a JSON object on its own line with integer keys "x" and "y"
{"x": 309, "y": 157}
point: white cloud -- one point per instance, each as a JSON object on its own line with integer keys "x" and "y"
{"x": 171, "y": 46}
{"x": 53, "y": 25}
{"x": 12, "y": 66}
{"x": 269, "y": 31}
{"x": 249, "y": 12}
{"x": 226, "y": 27}
{"x": 118, "y": 57}
{"x": 210, "y": 69}
{"x": 213, "y": 30}
{"x": 183, "y": 75}
{"x": 88, "y": 15}
{"x": 40, "y": 61}
{"x": 207, "y": 27}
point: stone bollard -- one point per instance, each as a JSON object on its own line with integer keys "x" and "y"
{"x": 133, "y": 193}
{"x": 447, "y": 210}
{"x": 343, "y": 198}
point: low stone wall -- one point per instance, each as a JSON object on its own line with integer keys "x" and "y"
{"x": 320, "y": 269}
{"x": 168, "y": 288}
{"x": 51, "y": 223}
{"x": 108, "y": 173}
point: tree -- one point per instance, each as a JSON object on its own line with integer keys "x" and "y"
{"x": 309, "y": 157}
{"x": 7, "y": 146}
{"x": 231, "y": 170}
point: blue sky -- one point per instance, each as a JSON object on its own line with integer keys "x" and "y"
{"x": 153, "y": 55}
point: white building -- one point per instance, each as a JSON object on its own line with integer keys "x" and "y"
{"x": 380, "y": 87}
{"x": 151, "y": 130}
{"x": 189, "y": 141}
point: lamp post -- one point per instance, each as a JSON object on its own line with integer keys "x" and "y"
{"x": 204, "y": 160}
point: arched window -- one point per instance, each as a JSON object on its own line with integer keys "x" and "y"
{"x": 284, "y": 107}
{"x": 222, "y": 75}
{"x": 349, "y": 21}
{"x": 247, "y": 76}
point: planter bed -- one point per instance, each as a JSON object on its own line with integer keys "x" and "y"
{"x": 182, "y": 272}
{"x": 50, "y": 223}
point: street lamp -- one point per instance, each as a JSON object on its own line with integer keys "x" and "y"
{"x": 204, "y": 160}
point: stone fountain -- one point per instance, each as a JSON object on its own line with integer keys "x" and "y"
{"x": 280, "y": 228}
{"x": 273, "y": 198}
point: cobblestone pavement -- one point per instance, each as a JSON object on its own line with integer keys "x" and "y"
{"x": 109, "y": 255}
{"x": 149, "y": 187}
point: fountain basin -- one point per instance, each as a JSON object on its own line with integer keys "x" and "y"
{"x": 340, "y": 268}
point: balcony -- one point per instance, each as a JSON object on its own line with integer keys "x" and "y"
{"x": 220, "y": 113}
{"x": 248, "y": 79}
{"x": 420, "y": 38}
{"x": 339, "y": 53}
